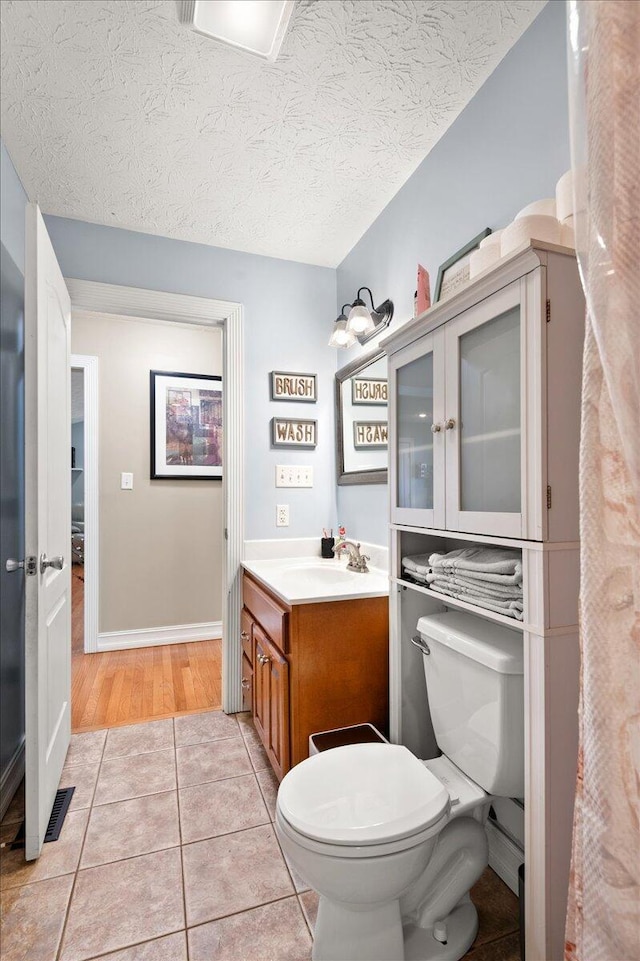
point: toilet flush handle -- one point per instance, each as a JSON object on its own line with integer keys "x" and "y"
{"x": 421, "y": 644}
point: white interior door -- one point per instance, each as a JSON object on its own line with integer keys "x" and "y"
{"x": 47, "y": 529}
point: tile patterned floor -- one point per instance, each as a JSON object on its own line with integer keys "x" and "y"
{"x": 168, "y": 853}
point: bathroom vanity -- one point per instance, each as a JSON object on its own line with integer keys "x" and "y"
{"x": 315, "y": 652}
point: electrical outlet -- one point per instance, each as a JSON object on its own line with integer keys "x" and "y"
{"x": 282, "y": 515}
{"x": 126, "y": 481}
{"x": 290, "y": 475}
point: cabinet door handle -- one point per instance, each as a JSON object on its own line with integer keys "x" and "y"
{"x": 244, "y": 636}
{"x": 450, "y": 424}
{"x": 246, "y": 684}
{"x": 436, "y": 428}
{"x": 264, "y": 658}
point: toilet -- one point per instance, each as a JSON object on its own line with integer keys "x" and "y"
{"x": 393, "y": 844}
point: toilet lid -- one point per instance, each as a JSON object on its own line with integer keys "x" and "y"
{"x": 362, "y": 794}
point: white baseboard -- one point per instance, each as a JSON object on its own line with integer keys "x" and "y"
{"x": 153, "y": 636}
{"x": 11, "y": 777}
{"x": 505, "y": 857}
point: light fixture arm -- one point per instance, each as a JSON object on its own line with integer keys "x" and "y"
{"x": 358, "y": 298}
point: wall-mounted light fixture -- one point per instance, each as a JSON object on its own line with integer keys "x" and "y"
{"x": 361, "y": 323}
{"x": 340, "y": 336}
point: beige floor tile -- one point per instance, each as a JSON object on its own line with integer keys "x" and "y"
{"x": 120, "y": 904}
{"x": 82, "y": 777}
{"x": 221, "y": 807}
{"x": 269, "y": 785}
{"x": 86, "y": 747}
{"x": 274, "y": 931}
{"x": 129, "y": 828}
{"x": 15, "y": 811}
{"x": 139, "y": 738}
{"x": 497, "y": 906}
{"x": 196, "y": 728}
{"x": 233, "y": 873}
{"x": 57, "y": 858}
{"x": 173, "y": 947}
{"x": 212, "y": 761}
{"x": 32, "y": 919}
{"x": 299, "y": 883}
{"x": 258, "y": 755}
{"x": 309, "y": 901}
{"x": 126, "y": 777}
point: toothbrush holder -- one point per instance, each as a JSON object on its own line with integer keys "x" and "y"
{"x": 326, "y": 547}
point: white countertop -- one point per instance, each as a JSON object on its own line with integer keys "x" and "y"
{"x": 312, "y": 580}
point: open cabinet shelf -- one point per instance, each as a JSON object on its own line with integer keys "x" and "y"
{"x": 447, "y": 601}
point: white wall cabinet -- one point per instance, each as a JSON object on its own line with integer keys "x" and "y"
{"x": 473, "y": 431}
{"x": 484, "y": 425}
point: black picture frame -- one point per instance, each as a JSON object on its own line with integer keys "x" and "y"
{"x": 459, "y": 255}
{"x": 159, "y": 385}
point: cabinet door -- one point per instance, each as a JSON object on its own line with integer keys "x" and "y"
{"x": 247, "y": 684}
{"x": 271, "y": 700}
{"x": 260, "y": 685}
{"x": 488, "y": 349}
{"x": 416, "y": 433}
{"x": 278, "y": 745}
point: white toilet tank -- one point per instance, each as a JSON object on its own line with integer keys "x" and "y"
{"x": 475, "y": 686}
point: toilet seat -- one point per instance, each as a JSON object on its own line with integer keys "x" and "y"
{"x": 362, "y": 795}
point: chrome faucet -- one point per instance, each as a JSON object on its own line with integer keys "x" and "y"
{"x": 357, "y": 561}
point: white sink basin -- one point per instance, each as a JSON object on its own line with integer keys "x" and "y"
{"x": 311, "y": 580}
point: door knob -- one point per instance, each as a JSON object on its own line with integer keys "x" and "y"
{"x": 13, "y": 565}
{"x": 57, "y": 563}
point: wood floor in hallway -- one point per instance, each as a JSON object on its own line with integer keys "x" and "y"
{"x": 124, "y": 687}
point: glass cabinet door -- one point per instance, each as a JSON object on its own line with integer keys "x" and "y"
{"x": 417, "y": 433}
{"x": 484, "y": 418}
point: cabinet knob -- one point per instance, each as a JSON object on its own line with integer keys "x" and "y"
{"x": 244, "y": 636}
{"x": 436, "y": 428}
{"x": 450, "y": 424}
{"x": 264, "y": 658}
{"x": 246, "y": 684}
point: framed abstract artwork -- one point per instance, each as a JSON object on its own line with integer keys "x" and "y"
{"x": 186, "y": 426}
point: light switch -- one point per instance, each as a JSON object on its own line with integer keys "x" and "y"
{"x": 126, "y": 481}
{"x": 290, "y": 475}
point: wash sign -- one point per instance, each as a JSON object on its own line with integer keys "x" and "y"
{"x": 293, "y": 433}
{"x": 370, "y": 434}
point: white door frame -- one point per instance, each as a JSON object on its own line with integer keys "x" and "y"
{"x": 228, "y": 317}
{"x": 89, "y": 365}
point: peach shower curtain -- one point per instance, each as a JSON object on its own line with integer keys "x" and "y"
{"x": 603, "y": 921}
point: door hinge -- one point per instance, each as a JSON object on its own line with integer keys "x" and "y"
{"x": 226, "y": 533}
{"x": 548, "y": 311}
{"x": 30, "y": 566}
{"x": 548, "y": 498}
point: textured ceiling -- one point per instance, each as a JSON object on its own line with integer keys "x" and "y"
{"x": 116, "y": 113}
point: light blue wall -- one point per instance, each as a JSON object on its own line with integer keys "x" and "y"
{"x": 507, "y": 148}
{"x": 288, "y": 312}
{"x": 13, "y": 201}
{"x": 12, "y": 205}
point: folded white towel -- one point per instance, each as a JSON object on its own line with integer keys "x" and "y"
{"x": 416, "y": 576}
{"x": 506, "y": 602}
{"x": 485, "y": 562}
{"x": 416, "y": 562}
{"x": 488, "y": 605}
{"x": 474, "y": 585}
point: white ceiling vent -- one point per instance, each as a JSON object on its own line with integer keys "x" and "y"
{"x": 255, "y": 26}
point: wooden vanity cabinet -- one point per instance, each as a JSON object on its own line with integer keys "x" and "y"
{"x": 315, "y": 667}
